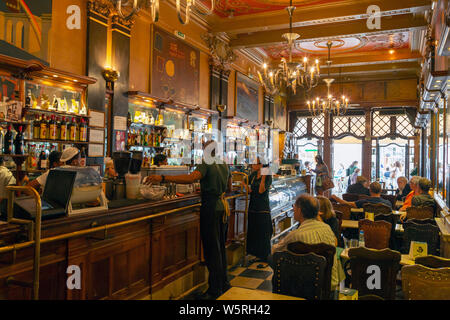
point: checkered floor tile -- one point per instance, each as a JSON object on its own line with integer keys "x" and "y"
{"x": 252, "y": 277}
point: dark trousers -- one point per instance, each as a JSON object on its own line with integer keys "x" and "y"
{"x": 213, "y": 233}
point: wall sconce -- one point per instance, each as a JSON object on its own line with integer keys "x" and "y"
{"x": 110, "y": 75}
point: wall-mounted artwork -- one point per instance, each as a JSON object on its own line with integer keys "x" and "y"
{"x": 25, "y": 28}
{"x": 175, "y": 69}
{"x": 247, "y": 98}
{"x": 280, "y": 113}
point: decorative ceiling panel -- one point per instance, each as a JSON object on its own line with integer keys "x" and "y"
{"x": 380, "y": 42}
{"x": 224, "y": 8}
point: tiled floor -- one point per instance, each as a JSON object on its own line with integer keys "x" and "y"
{"x": 251, "y": 277}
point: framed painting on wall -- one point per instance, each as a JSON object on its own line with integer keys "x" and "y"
{"x": 247, "y": 98}
{"x": 175, "y": 68}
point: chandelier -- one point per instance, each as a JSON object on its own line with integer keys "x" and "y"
{"x": 153, "y": 5}
{"x": 289, "y": 73}
{"x": 337, "y": 106}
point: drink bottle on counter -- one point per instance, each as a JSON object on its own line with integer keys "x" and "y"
{"x": 83, "y": 157}
{"x": 18, "y": 142}
{"x": 83, "y": 130}
{"x": 36, "y": 127}
{"x": 73, "y": 130}
{"x": 361, "y": 239}
{"x": 43, "y": 131}
{"x": 53, "y": 128}
{"x": 63, "y": 130}
{"x": 8, "y": 144}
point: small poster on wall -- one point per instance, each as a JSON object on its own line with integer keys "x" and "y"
{"x": 120, "y": 140}
{"x": 247, "y": 98}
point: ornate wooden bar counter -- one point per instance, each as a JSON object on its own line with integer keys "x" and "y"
{"x": 139, "y": 250}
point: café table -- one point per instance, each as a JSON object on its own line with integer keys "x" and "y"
{"x": 405, "y": 259}
{"x": 359, "y": 210}
{"x": 237, "y": 293}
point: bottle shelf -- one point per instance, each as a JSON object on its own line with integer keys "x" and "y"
{"x": 140, "y": 124}
{"x": 11, "y": 155}
{"x": 147, "y": 147}
{"x": 56, "y": 141}
{"x": 67, "y": 114}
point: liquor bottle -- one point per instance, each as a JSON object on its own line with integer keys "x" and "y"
{"x": 53, "y": 128}
{"x": 83, "y": 130}
{"x": 43, "y": 131}
{"x": 36, "y": 127}
{"x": 58, "y": 128}
{"x": 152, "y": 138}
{"x": 18, "y": 142}
{"x": 138, "y": 138}
{"x": 63, "y": 130}
{"x": 28, "y": 100}
{"x": 160, "y": 119}
{"x": 8, "y": 144}
{"x": 156, "y": 138}
{"x": 152, "y": 120}
{"x": 48, "y": 128}
{"x": 73, "y": 130}
{"x": 2, "y": 139}
{"x": 83, "y": 157}
{"x": 129, "y": 141}
{"x": 142, "y": 138}
{"x": 42, "y": 164}
{"x": 145, "y": 137}
{"x": 78, "y": 127}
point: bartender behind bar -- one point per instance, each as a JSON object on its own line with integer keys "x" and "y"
{"x": 215, "y": 179}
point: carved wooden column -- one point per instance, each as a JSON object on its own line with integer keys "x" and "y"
{"x": 366, "y": 157}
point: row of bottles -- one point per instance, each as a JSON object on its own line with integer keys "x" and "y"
{"x": 144, "y": 118}
{"x": 11, "y": 143}
{"x": 152, "y": 138}
{"x": 54, "y": 128}
{"x": 57, "y": 104}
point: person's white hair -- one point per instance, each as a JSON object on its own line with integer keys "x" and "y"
{"x": 415, "y": 180}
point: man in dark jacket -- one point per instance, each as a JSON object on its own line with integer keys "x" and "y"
{"x": 359, "y": 187}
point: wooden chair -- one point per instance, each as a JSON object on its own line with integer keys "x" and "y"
{"x": 431, "y": 261}
{"x": 423, "y": 221}
{"x": 344, "y": 208}
{"x": 320, "y": 249}
{"x": 377, "y": 234}
{"x": 392, "y": 219}
{"x": 350, "y": 197}
{"x": 419, "y": 212}
{"x": 422, "y": 283}
{"x": 388, "y": 263}
{"x": 421, "y": 232}
{"x": 391, "y": 198}
{"x": 363, "y": 196}
{"x": 377, "y": 208}
{"x": 339, "y": 217}
{"x": 298, "y": 275}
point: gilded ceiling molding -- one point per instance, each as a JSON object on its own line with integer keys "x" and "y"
{"x": 100, "y": 7}
{"x": 221, "y": 55}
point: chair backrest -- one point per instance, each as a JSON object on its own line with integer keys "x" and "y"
{"x": 374, "y": 271}
{"x": 422, "y": 283}
{"x": 392, "y": 219}
{"x": 423, "y": 221}
{"x": 421, "y": 232}
{"x": 377, "y": 208}
{"x": 431, "y": 261}
{"x": 377, "y": 234}
{"x": 420, "y": 212}
{"x": 321, "y": 249}
{"x": 363, "y": 196}
{"x": 344, "y": 208}
{"x": 298, "y": 275}
{"x": 390, "y": 198}
{"x": 350, "y": 197}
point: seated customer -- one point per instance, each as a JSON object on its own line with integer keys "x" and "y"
{"x": 312, "y": 231}
{"x": 327, "y": 215}
{"x": 403, "y": 189}
{"x": 360, "y": 187}
{"x": 375, "y": 197}
{"x": 423, "y": 199}
{"x": 6, "y": 179}
{"x": 414, "y": 184}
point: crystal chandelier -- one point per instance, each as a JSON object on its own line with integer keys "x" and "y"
{"x": 153, "y": 5}
{"x": 337, "y": 106}
{"x": 289, "y": 73}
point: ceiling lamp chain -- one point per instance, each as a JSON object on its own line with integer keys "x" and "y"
{"x": 330, "y": 103}
{"x": 289, "y": 73}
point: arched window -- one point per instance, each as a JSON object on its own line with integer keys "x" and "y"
{"x": 20, "y": 32}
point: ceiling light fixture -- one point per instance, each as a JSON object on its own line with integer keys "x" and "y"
{"x": 337, "y": 106}
{"x": 289, "y": 73}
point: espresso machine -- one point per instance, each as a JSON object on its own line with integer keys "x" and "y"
{"x": 124, "y": 162}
